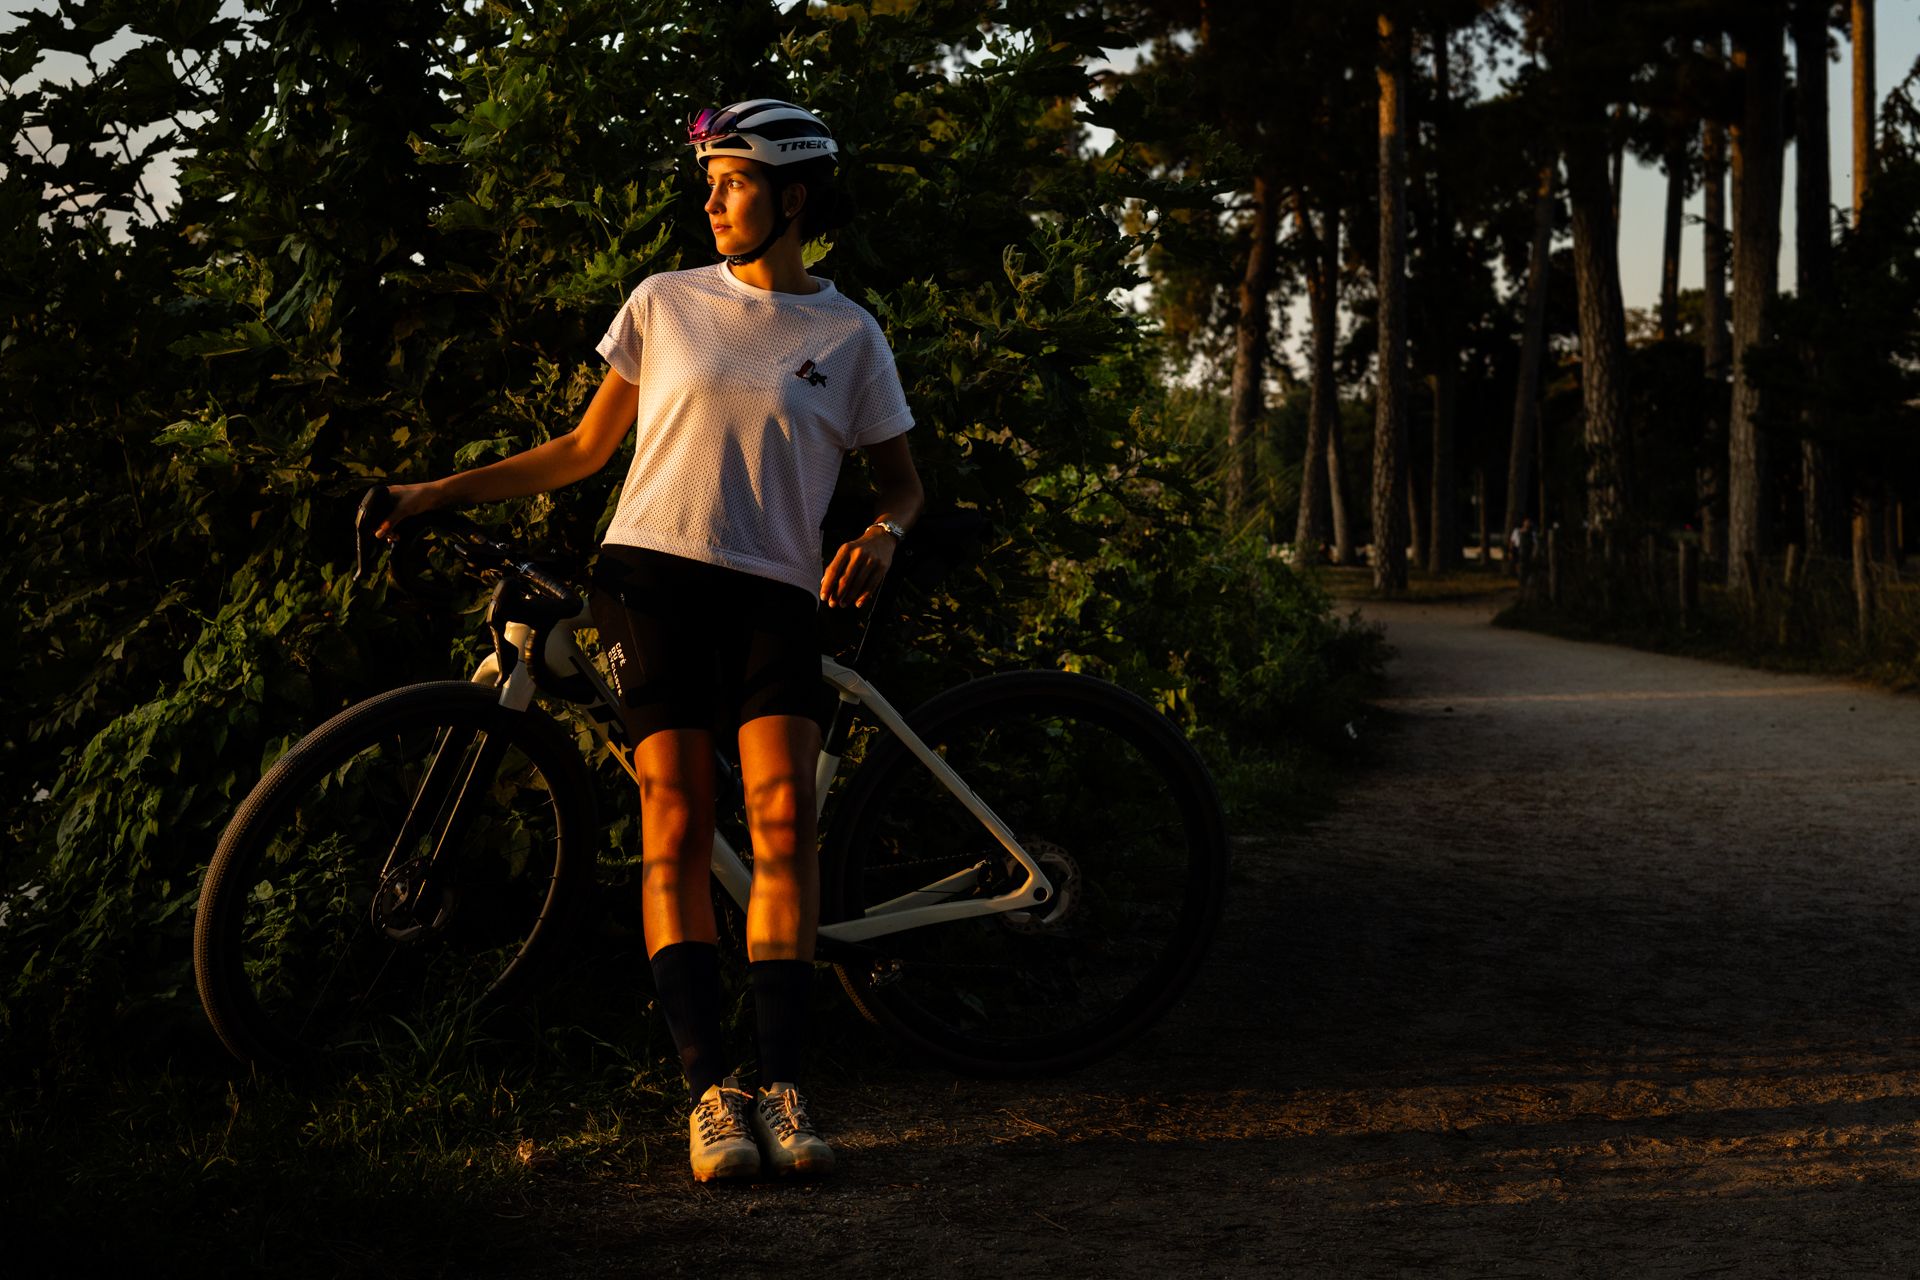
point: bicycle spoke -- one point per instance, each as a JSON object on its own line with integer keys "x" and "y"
{"x": 1120, "y": 819}
{"x": 400, "y": 871}
{"x": 436, "y": 788}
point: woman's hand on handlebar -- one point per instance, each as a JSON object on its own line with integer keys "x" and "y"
{"x": 409, "y": 500}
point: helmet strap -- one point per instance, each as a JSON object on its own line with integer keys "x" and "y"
{"x": 780, "y": 225}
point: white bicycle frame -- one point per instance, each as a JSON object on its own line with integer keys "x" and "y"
{"x": 937, "y": 903}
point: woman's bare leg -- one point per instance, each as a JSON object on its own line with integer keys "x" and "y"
{"x": 777, "y": 759}
{"x": 676, "y": 836}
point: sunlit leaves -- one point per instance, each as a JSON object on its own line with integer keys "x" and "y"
{"x": 402, "y": 229}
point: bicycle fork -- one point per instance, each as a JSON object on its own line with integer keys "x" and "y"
{"x": 412, "y": 900}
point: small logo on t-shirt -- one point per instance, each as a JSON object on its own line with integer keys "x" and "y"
{"x": 814, "y": 377}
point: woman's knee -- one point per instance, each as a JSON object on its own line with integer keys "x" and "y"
{"x": 676, "y": 809}
{"x": 782, "y": 802}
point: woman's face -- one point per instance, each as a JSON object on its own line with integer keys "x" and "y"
{"x": 740, "y": 203}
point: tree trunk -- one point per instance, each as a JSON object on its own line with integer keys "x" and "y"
{"x": 1863, "y": 575}
{"x": 1337, "y": 493}
{"x": 1390, "y": 409}
{"x": 1813, "y": 254}
{"x": 1676, "y": 164}
{"x": 1863, "y": 165}
{"x": 1571, "y": 29}
{"x": 1443, "y": 552}
{"x": 1323, "y": 405}
{"x": 1863, "y": 102}
{"x": 1716, "y": 342}
{"x": 1250, "y": 353}
{"x": 1756, "y": 254}
{"x": 1443, "y": 485}
{"x": 1603, "y": 334}
{"x": 1416, "y": 518}
{"x": 1617, "y": 166}
{"x": 1480, "y": 508}
{"x": 1533, "y": 345}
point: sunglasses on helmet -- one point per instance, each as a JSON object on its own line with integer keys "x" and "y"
{"x": 709, "y": 123}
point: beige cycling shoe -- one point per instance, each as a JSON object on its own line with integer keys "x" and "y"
{"x": 720, "y": 1143}
{"x": 787, "y": 1135}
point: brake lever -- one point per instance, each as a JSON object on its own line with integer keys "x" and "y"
{"x": 374, "y": 505}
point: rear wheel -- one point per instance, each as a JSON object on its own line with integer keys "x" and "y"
{"x": 403, "y": 866}
{"x": 1120, "y": 813}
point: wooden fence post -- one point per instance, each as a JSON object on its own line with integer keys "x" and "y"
{"x": 1863, "y": 578}
{"x": 1480, "y": 502}
{"x": 1553, "y": 565}
{"x": 1689, "y": 582}
{"x": 1650, "y": 548}
{"x": 1795, "y": 574}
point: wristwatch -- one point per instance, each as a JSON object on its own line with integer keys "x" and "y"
{"x": 899, "y": 534}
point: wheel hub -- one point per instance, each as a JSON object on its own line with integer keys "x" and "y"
{"x": 409, "y": 905}
{"x": 1061, "y": 868}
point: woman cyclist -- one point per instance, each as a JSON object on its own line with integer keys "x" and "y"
{"x": 746, "y": 382}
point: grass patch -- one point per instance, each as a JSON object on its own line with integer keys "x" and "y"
{"x": 1355, "y": 582}
{"x": 1276, "y": 787}
{"x": 427, "y": 1160}
{"x": 410, "y": 1166}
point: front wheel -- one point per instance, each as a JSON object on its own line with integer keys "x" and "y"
{"x": 1121, "y": 814}
{"x": 403, "y": 865}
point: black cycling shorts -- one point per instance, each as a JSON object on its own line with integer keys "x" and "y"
{"x": 691, "y": 645}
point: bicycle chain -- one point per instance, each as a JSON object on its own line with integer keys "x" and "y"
{"x": 929, "y": 862}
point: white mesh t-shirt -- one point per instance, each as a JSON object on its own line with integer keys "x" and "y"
{"x": 749, "y": 399}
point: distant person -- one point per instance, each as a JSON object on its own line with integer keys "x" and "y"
{"x": 1520, "y": 546}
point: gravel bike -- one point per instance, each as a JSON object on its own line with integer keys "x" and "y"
{"x": 1018, "y": 877}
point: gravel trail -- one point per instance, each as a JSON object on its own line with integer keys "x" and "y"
{"x": 1605, "y": 965}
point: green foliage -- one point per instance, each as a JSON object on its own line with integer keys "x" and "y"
{"x": 401, "y": 229}
{"x": 1224, "y": 636}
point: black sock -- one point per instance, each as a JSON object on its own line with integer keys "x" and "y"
{"x": 782, "y": 1008}
{"x": 687, "y": 977}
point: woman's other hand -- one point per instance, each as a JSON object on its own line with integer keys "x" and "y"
{"x": 858, "y": 568}
{"x": 409, "y": 500}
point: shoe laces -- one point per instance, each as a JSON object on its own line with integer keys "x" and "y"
{"x": 719, "y": 1115}
{"x": 785, "y": 1113}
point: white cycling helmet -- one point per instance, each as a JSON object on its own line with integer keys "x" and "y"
{"x": 763, "y": 129}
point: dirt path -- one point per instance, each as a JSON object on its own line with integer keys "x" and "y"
{"x": 1607, "y": 966}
